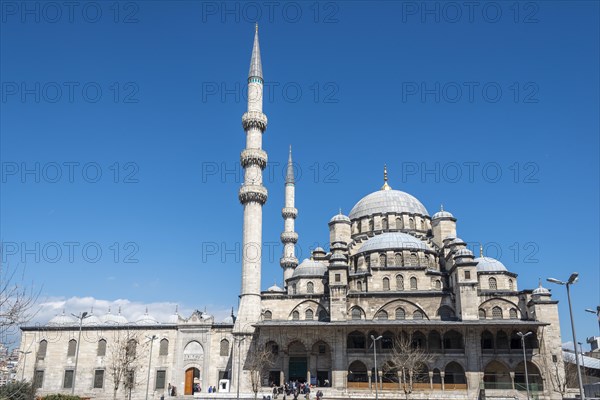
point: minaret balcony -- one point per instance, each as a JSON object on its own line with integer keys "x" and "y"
{"x": 289, "y": 212}
{"x": 253, "y": 157}
{"x": 288, "y": 262}
{"x": 254, "y": 119}
{"x": 289, "y": 237}
{"x": 253, "y": 193}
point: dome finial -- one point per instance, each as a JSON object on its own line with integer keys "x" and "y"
{"x": 385, "y": 179}
{"x": 480, "y": 250}
{"x": 441, "y": 207}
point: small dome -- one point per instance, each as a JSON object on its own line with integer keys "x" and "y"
{"x": 310, "y": 268}
{"x": 387, "y": 201}
{"x": 392, "y": 240}
{"x": 62, "y": 320}
{"x": 173, "y": 318}
{"x": 275, "y": 288}
{"x": 91, "y": 320}
{"x": 464, "y": 252}
{"x": 110, "y": 318}
{"x": 489, "y": 264}
{"x": 442, "y": 214}
{"x": 339, "y": 218}
{"x": 457, "y": 241}
{"x": 228, "y": 320}
{"x": 146, "y": 319}
{"x": 540, "y": 290}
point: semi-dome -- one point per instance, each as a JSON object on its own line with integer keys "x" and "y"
{"x": 540, "y": 290}
{"x": 387, "y": 201}
{"x": 392, "y": 240}
{"x": 62, "y": 320}
{"x": 310, "y": 268}
{"x": 489, "y": 264}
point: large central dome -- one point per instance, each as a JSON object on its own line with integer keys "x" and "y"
{"x": 387, "y": 201}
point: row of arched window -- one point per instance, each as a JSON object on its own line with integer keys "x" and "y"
{"x": 309, "y": 315}
{"x": 357, "y": 313}
{"x": 398, "y": 260}
{"x": 397, "y": 222}
{"x": 434, "y": 341}
{"x": 498, "y": 313}
{"x": 493, "y": 284}
{"x": 101, "y": 348}
{"x": 454, "y": 374}
{"x": 386, "y": 283}
{"x": 501, "y": 341}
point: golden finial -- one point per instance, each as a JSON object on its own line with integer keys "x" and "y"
{"x": 480, "y": 250}
{"x": 385, "y": 179}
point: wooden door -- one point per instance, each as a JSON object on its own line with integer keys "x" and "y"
{"x": 189, "y": 381}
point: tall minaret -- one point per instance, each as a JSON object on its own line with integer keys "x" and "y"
{"x": 289, "y": 237}
{"x": 252, "y": 195}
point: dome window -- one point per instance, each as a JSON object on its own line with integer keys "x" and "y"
{"x": 382, "y": 260}
{"x": 359, "y": 286}
{"x": 399, "y": 224}
{"x": 512, "y": 313}
{"x": 414, "y": 260}
{"x": 417, "y": 314}
{"x": 411, "y": 223}
{"x": 370, "y": 224}
{"x": 384, "y": 223}
{"x": 438, "y": 284}
{"x": 398, "y": 260}
{"x": 356, "y": 314}
{"x": 382, "y": 315}
{"x": 294, "y": 288}
{"x": 511, "y": 284}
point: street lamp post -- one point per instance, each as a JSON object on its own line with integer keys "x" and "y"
{"x": 152, "y": 339}
{"x": 80, "y": 317}
{"x": 375, "y": 339}
{"x": 24, "y": 362}
{"x": 239, "y": 363}
{"x": 582, "y": 359}
{"x": 572, "y": 279}
{"x": 597, "y": 312}
{"x": 523, "y": 336}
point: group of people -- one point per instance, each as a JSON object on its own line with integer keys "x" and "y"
{"x": 294, "y": 388}
{"x": 212, "y": 389}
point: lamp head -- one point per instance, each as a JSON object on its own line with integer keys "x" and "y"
{"x": 573, "y": 278}
{"x": 552, "y": 280}
{"x": 84, "y": 314}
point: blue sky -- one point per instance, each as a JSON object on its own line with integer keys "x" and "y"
{"x": 128, "y": 119}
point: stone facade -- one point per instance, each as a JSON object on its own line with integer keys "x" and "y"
{"x": 391, "y": 270}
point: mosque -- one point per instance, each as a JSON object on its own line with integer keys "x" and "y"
{"x": 392, "y": 270}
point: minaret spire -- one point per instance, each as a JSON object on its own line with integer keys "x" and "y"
{"x": 289, "y": 213}
{"x": 253, "y": 196}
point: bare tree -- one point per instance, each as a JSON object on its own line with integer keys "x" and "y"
{"x": 17, "y": 302}
{"x": 259, "y": 360}
{"x": 410, "y": 360}
{"x": 125, "y": 357}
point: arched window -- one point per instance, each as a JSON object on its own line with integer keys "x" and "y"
{"x": 533, "y": 375}
{"x": 42, "y": 350}
{"x": 386, "y": 283}
{"x": 310, "y": 287}
{"x": 455, "y": 375}
{"x": 294, "y": 288}
{"x": 496, "y": 313}
{"x": 163, "y": 350}
{"x": 487, "y": 340}
{"x": 359, "y": 286}
{"x": 435, "y": 341}
{"x": 399, "y": 224}
{"x": 411, "y": 223}
{"x": 453, "y": 340}
{"x": 295, "y": 316}
{"x": 370, "y": 224}
{"x": 445, "y": 313}
{"x": 357, "y": 372}
{"x": 417, "y": 314}
{"x": 356, "y": 340}
{"x": 438, "y": 284}
{"x": 512, "y": 313}
{"x": 72, "y": 348}
{"x": 131, "y": 348}
{"x": 101, "y": 351}
{"x": 224, "y": 349}
{"x": 384, "y": 223}
{"x": 308, "y": 315}
{"x": 493, "y": 284}
{"x": 502, "y": 340}
{"x": 382, "y": 260}
{"x": 400, "y": 314}
{"x": 268, "y": 315}
{"x": 413, "y": 283}
{"x": 381, "y": 315}
{"x": 511, "y": 284}
{"x": 399, "y": 282}
{"x": 414, "y": 260}
{"x": 482, "y": 313}
{"x": 356, "y": 313}
{"x": 398, "y": 260}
